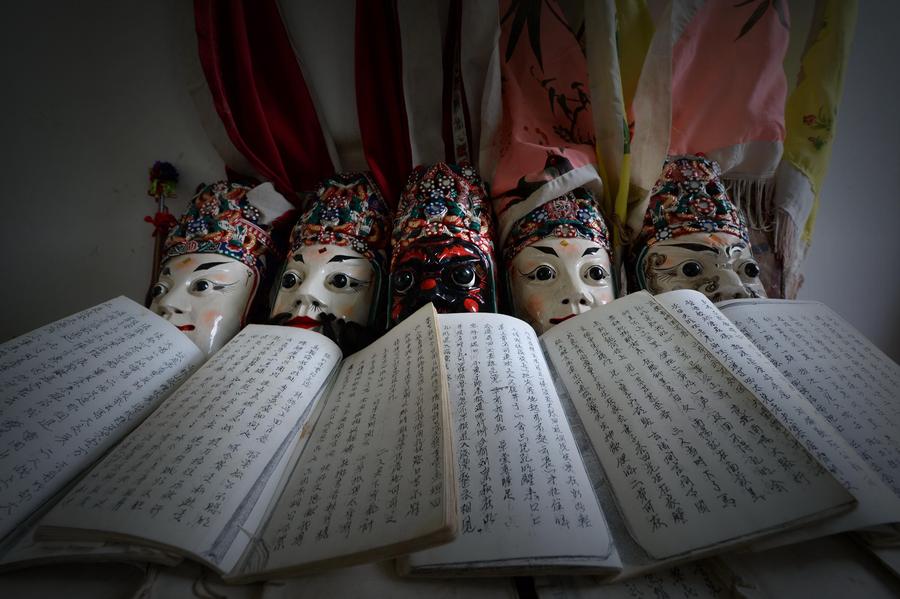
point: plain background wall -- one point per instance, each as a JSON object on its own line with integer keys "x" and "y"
{"x": 854, "y": 262}
{"x": 93, "y": 95}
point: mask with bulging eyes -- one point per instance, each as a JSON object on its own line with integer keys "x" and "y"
{"x": 443, "y": 249}
{"x": 694, "y": 237}
{"x": 321, "y": 280}
{"x": 718, "y": 265}
{"x": 451, "y": 273}
{"x": 206, "y": 296}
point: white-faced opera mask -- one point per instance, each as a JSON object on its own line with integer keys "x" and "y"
{"x": 693, "y": 237}
{"x": 214, "y": 259}
{"x": 555, "y": 279}
{"x": 558, "y": 261}
{"x": 205, "y": 295}
{"x": 336, "y": 259}
{"x": 325, "y": 279}
{"x": 718, "y": 265}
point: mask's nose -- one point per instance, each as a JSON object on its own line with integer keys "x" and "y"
{"x": 312, "y": 297}
{"x": 173, "y": 302}
{"x": 576, "y": 297}
{"x": 732, "y": 287}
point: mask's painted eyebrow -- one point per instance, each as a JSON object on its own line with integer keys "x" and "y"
{"x": 546, "y": 250}
{"x": 298, "y": 257}
{"x": 208, "y": 265}
{"x": 340, "y": 258}
{"x": 697, "y": 247}
{"x": 166, "y": 271}
{"x": 590, "y": 251}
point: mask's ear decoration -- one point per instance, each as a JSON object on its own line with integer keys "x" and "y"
{"x": 346, "y": 224}
{"x": 693, "y": 236}
{"x": 443, "y": 248}
{"x": 222, "y": 233}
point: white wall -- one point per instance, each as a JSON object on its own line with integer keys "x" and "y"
{"x": 93, "y": 94}
{"x": 854, "y": 264}
{"x": 91, "y": 98}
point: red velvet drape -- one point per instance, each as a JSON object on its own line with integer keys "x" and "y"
{"x": 260, "y": 93}
{"x": 380, "y": 106}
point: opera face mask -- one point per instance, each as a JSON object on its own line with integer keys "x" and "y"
{"x": 443, "y": 249}
{"x": 555, "y": 279}
{"x": 694, "y": 237}
{"x": 325, "y": 279}
{"x": 719, "y": 265}
{"x": 205, "y": 295}
{"x": 452, "y": 273}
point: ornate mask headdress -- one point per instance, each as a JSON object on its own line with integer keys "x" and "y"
{"x": 336, "y": 263}
{"x": 443, "y": 249}
{"x": 693, "y": 236}
{"x": 557, "y": 259}
{"x": 214, "y": 259}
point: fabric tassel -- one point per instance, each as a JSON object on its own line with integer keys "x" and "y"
{"x": 791, "y": 250}
{"x": 755, "y": 199}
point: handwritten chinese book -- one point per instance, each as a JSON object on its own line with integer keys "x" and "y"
{"x": 72, "y": 389}
{"x": 277, "y": 456}
{"x": 639, "y": 435}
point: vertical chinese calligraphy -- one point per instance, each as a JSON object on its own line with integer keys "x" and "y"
{"x": 374, "y": 471}
{"x": 523, "y": 491}
{"x": 185, "y": 477}
{"x": 694, "y": 459}
{"x": 72, "y": 388}
{"x": 854, "y": 386}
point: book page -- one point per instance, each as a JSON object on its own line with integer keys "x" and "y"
{"x": 524, "y": 496}
{"x": 846, "y": 378}
{"x": 877, "y": 504}
{"x": 189, "y": 476}
{"x": 376, "y": 472}
{"x": 72, "y": 388}
{"x": 695, "y": 461}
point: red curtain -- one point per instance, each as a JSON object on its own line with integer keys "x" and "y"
{"x": 379, "y": 96}
{"x": 260, "y": 93}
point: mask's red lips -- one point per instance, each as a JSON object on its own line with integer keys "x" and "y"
{"x": 302, "y": 322}
{"x": 559, "y": 320}
{"x": 186, "y": 327}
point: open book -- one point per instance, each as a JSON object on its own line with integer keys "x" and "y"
{"x": 643, "y": 433}
{"x": 70, "y": 391}
{"x": 276, "y": 456}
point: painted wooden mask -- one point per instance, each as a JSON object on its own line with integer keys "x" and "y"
{"x": 214, "y": 259}
{"x": 557, "y": 261}
{"x": 442, "y": 244}
{"x": 694, "y": 237}
{"x": 336, "y": 260}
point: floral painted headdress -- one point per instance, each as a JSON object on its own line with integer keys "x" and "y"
{"x": 222, "y": 220}
{"x": 350, "y": 212}
{"x": 446, "y": 200}
{"x": 572, "y": 215}
{"x": 689, "y": 198}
